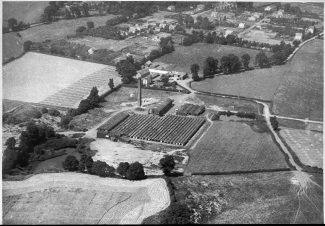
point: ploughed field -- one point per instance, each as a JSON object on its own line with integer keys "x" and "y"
{"x": 73, "y": 198}
{"x": 171, "y": 129}
{"x": 52, "y": 80}
{"x": 306, "y": 144}
{"x": 229, "y": 147}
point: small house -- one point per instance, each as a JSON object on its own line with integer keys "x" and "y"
{"x": 298, "y": 36}
{"x": 91, "y": 51}
{"x": 228, "y": 32}
{"x": 143, "y": 73}
{"x": 268, "y": 8}
{"x": 171, "y": 8}
{"x": 310, "y": 30}
{"x": 200, "y": 7}
{"x": 147, "y": 80}
{"x": 251, "y": 18}
{"x": 172, "y": 27}
{"x": 241, "y": 25}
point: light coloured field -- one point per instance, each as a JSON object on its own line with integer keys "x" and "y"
{"x": 34, "y": 77}
{"x": 71, "y": 96}
{"x": 115, "y": 152}
{"x": 307, "y": 145}
{"x": 72, "y": 198}
{"x": 261, "y": 36}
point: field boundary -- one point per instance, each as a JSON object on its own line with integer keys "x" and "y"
{"x": 242, "y": 172}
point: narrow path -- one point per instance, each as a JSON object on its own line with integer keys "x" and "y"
{"x": 267, "y": 115}
{"x": 298, "y": 119}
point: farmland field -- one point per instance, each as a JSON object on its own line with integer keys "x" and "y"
{"x": 235, "y": 147}
{"x": 296, "y": 88}
{"x": 54, "y": 31}
{"x": 184, "y": 56}
{"x": 27, "y": 11}
{"x": 300, "y": 94}
{"x": 35, "y": 77}
{"x": 307, "y": 145}
{"x": 71, "y": 198}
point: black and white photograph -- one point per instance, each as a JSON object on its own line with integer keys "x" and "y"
{"x": 162, "y": 112}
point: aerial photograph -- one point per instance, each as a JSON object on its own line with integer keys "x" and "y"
{"x": 162, "y": 112}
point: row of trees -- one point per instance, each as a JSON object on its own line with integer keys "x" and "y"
{"x": 228, "y": 64}
{"x": 212, "y": 37}
{"x": 86, "y": 164}
{"x": 14, "y": 25}
{"x": 92, "y": 101}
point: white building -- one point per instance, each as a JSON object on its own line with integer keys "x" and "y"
{"x": 91, "y": 51}
{"x": 228, "y": 32}
{"x": 251, "y": 18}
{"x": 298, "y": 36}
{"x": 241, "y": 25}
{"x": 268, "y": 8}
{"x": 171, "y": 8}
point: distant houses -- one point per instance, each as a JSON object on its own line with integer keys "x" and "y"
{"x": 298, "y": 36}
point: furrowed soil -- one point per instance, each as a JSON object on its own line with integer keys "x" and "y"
{"x": 73, "y": 198}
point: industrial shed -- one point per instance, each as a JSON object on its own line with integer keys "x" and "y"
{"x": 162, "y": 107}
{"x": 104, "y": 129}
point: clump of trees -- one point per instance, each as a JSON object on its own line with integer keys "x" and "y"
{"x": 92, "y": 101}
{"x": 127, "y": 68}
{"x": 262, "y": 60}
{"x": 245, "y": 60}
{"x": 167, "y": 164}
{"x": 135, "y": 172}
{"x": 210, "y": 66}
{"x": 230, "y": 64}
{"x": 14, "y": 25}
{"x": 102, "y": 169}
{"x": 194, "y": 70}
{"x": 177, "y": 213}
{"x": 123, "y": 168}
{"x": 71, "y": 163}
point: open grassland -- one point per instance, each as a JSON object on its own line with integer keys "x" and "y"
{"x": 71, "y": 198}
{"x": 307, "y": 145}
{"x": 258, "y": 83}
{"x": 259, "y": 198}
{"x": 26, "y": 11}
{"x": 261, "y": 36}
{"x": 234, "y": 147}
{"x": 296, "y": 88}
{"x": 184, "y": 56}
{"x": 34, "y": 77}
{"x": 54, "y": 31}
{"x": 301, "y": 92}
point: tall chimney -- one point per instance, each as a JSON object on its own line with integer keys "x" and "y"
{"x": 139, "y": 92}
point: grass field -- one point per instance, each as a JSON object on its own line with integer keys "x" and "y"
{"x": 34, "y": 77}
{"x": 259, "y": 198}
{"x": 54, "y": 31}
{"x": 296, "y": 88}
{"x": 300, "y": 94}
{"x": 234, "y": 147}
{"x": 258, "y": 83}
{"x": 261, "y": 36}
{"x": 71, "y": 198}
{"x": 307, "y": 145}
{"x": 184, "y": 56}
{"x": 27, "y": 11}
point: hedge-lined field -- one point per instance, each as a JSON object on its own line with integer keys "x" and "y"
{"x": 301, "y": 92}
{"x": 235, "y": 147}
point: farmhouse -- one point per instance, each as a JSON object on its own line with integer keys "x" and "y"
{"x": 143, "y": 73}
{"x": 251, "y": 18}
{"x": 228, "y": 32}
{"x": 298, "y": 36}
{"x": 241, "y": 25}
{"x": 171, "y": 8}
{"x": 200, "y": 7}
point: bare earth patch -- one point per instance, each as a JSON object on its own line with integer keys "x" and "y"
{"x": 72, "y": 198}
